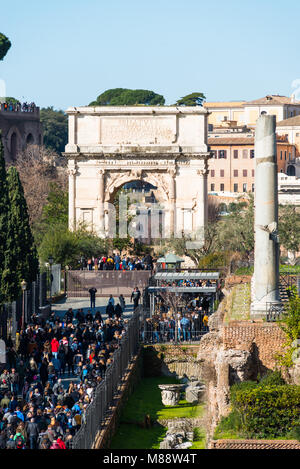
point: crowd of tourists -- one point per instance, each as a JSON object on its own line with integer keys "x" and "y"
{"x": 17, "y": 107}
{"x": 185, "y": 326}
{"x": 189, "y": 283}
{"x": 37, "y": 411}
{"x": 116, "y": 262}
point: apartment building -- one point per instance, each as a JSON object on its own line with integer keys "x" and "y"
{"x": 247, "y": 112}
{"x": 232, "y": 169}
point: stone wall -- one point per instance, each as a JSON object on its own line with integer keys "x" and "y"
{"x": 254, "y": 444}
{"x": 19, "y": 129}
{"x": 263, "y": 339}
{"x": 180, "y": 361}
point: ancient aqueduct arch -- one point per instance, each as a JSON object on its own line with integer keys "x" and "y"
{"x": 111, "y": 146}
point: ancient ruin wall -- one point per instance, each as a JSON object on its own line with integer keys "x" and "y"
{"x": 268, "y": 340}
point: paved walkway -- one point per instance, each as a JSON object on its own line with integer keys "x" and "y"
{"x": 62, "y": 306}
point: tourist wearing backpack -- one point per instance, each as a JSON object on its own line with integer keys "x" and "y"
{"x": 19, "y": 441}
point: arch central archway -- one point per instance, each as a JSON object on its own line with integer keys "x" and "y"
{"x": 115, "y": 183}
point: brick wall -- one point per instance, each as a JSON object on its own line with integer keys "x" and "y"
{"x": 268, "y": 339}
{"x": 254, "y": 444}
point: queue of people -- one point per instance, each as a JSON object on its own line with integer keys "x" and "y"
{"x": 37, "y": 411}
{"x": 185, "y": 326}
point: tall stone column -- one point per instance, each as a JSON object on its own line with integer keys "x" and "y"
{"x": 265, "y": 281}
{"x": 72, "y": 198}
{"x": 172, "y": 195}
{"x": 100, "y": 200}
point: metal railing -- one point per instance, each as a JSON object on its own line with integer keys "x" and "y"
{"x": 11, "y": 313}
{"x": 96, "y": 411}
{"x": 183, "y": 337}
{"x": 274, "y": 311}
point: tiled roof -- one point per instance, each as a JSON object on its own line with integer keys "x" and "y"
{"x": 231, "y": 141}
{"x": 289, "y": 122}
{"x": 273, "y": 100}
{"x": 224, "y": 104}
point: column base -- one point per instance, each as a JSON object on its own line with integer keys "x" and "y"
{"x": 258, "y": 310}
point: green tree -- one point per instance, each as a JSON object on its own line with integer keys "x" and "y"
{"x": 236, "y": 230}
{"x": 192, "y": 99}
{"x": 21, "y": 260}
{"x": 9, "y": 100}
{"x": 55, "y": 128}
{"x": 67, "y": 247}
{"x": 290, "y": 324}
{"x": 128, "y": 97}
{"x": 3, "y": 214}
{"x": 289, "y": 228}
{"x": 54, "y": 212}
{"x": 56, "y": 209}
{"x": 5, "y": 45}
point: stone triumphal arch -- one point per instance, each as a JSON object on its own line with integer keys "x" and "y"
{"x": 164, "y": 146}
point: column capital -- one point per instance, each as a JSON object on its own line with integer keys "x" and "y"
{"x": 202, "y": 172}
{"x": 72, "y": 171}
{"x": 172, "y": 172}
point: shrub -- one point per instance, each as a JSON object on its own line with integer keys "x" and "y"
{"x": 272, "y": 379}
{"x": 266, "y": 410}
{"x": 229, "y": 427}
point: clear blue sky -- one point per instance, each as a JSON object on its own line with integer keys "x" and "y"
{"x": 67, "y": 52}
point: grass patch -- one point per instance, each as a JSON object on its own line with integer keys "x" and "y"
{"x": 133, "y": 437}
{"x": 146, "y": 400}
{"x": 199, "y": 439}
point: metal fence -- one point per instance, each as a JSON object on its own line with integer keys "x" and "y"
{"x": 96, "y": 411}
{"x": 183, "y": 337}
{"x": 274, "y": 311}
{"x": 11, "y": 313}
{"x": 107, "y": 282}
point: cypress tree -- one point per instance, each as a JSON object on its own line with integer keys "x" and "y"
{"x": 21, "y": 259}
{"x": 3, "y": 216}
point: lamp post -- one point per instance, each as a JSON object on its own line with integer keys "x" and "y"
{"x": 50, "y": 260}
{"x": 23, "y": 286}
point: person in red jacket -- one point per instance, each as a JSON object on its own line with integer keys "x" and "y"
{"x": 54, "y": 346}
{"x": 61, "y": 443}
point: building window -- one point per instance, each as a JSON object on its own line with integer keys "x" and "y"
{"x": 252, "y": 187}
{"x": 222, "y": 187}
{"x": 245, "y": 153}
{"x": 252, "y": 154}
{"x": 235, "y": 154}
{"x": 222, "y": 154}
{"x": 235, "y": 187}
{"x": 212, "y": 173}
{"x": 214, "y": 153}
{"x": 281, "y": 155}
{"x": 222, "y": 173}
{"x": 212, "y": 187}
{"x": 245, "y": 187}
{"x": 289, "y": 156}
{"x": 244, "y": 173}
{"x": 253, "y": 173}
{"x": 235, "y": 173}
{"x": 285, "y": 155}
